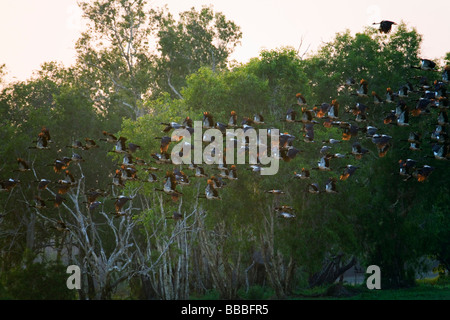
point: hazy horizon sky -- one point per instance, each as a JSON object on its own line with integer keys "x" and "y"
{"x": 33, "y": 32}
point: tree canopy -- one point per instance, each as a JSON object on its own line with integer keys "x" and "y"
{"x": 84, "y": 180}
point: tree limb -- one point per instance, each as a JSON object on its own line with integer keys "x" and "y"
{"x": 173, "y": 88}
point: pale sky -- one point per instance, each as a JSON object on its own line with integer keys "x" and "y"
{"x": 36, "y": 31}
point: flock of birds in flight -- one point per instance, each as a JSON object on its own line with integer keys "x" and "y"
{"x": 427, "y": 96}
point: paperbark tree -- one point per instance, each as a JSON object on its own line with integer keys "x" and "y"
{"x": 115, "y": 54}
{"x": 197, "y": 39}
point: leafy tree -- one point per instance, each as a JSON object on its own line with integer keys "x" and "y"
{"x": 283, "y": 69}
{"x": 114, "y": 55}
{"x": 122, "y": 64}
{"x": 390, "y": 212}
{"x": 197, "y": 39}
{"x": 121, "y": 86}
{"x": 2, "y": 73}
{"x": 33, "y": 280}
{"x": 52, "y": 99}
{"x": 447, "y": 58}
{"x": 236, "y": 90}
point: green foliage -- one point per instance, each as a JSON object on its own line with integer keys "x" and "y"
{"x": 376, "y": 229}
{"x": 45, "y": 280}
{"x": 114, "y": 55}
{"x": 224, "y": 92}
{"x": 390, "y": 215}
{"x": 383, "y": 60}
{"x": 256, "y": 293}
{"x": 447, "y": 58}
{"x": 197, "y": 39}
{"x": 210, "y": 295}
{"x": 437, "y": 226}
{"x": 120, "y": 85}
{"x": 420, "y": 292}
{"x": 283, "y": 70}
{"x": 56, "y": 100}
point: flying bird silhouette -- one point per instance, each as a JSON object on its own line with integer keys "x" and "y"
{"x": 385, "y": 26}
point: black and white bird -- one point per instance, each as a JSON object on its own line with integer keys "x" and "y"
{"x": 42, "y": 142}
{"x": 151, "y": 177}
{"x": 90, "y": 144}
{"x": 275, "y": 191}
{"x": 211, "y": 193}
{"x": 232, "y": 122}
{"x": 302, "y": 175}
{"x": 76, "y": 158}
{"x": 442, "y": 119}
{"x": 385, "y": 26}
{"x": 425, "y": 64}
{"x": 161, "y": 158}
{"x": 181, "y": 178}
{"x": 93, "y": 205}
{"x": 301, "y": 101}
{"x": 258, "y": 119}
{"x": 446, "y": 74}
{"x": 390, "y": 96}
{"x": 323, "y": 164}
{"x": 8, "y": 185}
{"x": 358, "y": 151}
{"x": 109, "y": 137}
{"x": 286, "y": 215}
{"x": 313, "y": 188}
{"x": 170, "y": 185}
{"x": 322, "y": 110}
{"x": 120, "y": 146}
{"x": 349, "y": 170}
{"x": 133, "y": 147}
{"x": 308, "y": 136}
{"x": 363, "y": 89}
{"x": 422, "y": 173}
{"x": 120, "y": 203}
{"x": 43, "y": 184}
{"x": 407, "y": 168}
{"x": 402, "y": 113}
{"x": 291, "y": 116}
{"x": 441, "y": 151}
{"x": 331, "y": 141}
{"x": 208, "y": 120}
{"x": 218, "y": 182}
{"x": 308, "y": 116}
{"x": 370, "y": 131}
{"x": 23, "y": 165}
{"x": 330, "y": 186}
{"x": 289, "y": 153}
{"x": 171, "y": 126}
{"x": 376, "y": 98}
{"x": 333, "y": 112}
{"x": 382, "y": 142}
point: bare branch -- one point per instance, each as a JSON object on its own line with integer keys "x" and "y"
{"x": 172, "y": 87}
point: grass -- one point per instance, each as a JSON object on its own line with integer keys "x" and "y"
{"x": 422, "y": 291}
{"x": 437, "y": 288}
{"x": 419, "y": 292}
